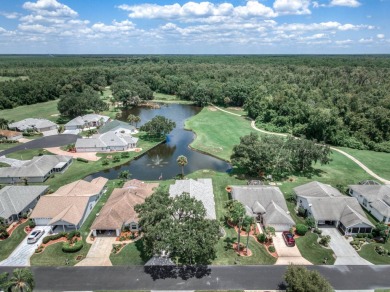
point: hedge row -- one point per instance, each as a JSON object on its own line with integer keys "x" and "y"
{"x": 82, "y": 160}
{"x": 53, "y": 237}
{"x": 66, "y": 247}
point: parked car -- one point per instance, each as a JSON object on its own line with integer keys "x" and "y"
{"x": 288, "y": 238}
{"x": 35, "y": 235}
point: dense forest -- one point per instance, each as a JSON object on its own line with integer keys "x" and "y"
{"x": 340, "y": 100}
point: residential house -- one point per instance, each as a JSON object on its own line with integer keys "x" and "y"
{"x": 36, "y": 170}
{"x": 375, "y": 199}
{"x": 119, "y": 212}
{"x": 32, "y": 124}
{"x": 10, "y": 135}
{"x": 266, "y": 204}
{"x": 330, "y": 208}
{"x": 17, "y": 200}
{"x": 201, "y": 190}
{"x": 70, "y": 205}
{"x": 109, "y": 141}
{"x": 87, "y": 121}
{"x": 118, "y": 127}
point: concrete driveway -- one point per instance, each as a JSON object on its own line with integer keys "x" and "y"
{"x": 345, "y": 253}
{"x": 287, "y": 255}
{"x": 99, "y": 253}
{"x": 21, "y": 255}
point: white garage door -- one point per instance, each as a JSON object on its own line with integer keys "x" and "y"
{"x": 281, "y": 227}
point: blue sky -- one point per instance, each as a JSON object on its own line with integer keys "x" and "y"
{"x": 195, "y": 27}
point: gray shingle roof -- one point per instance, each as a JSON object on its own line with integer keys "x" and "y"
{"x": 202, "y": 190}
{"x": 81, "y": 120}
{"x": 37, "y": 167}
{"x": 31, "y": 123}
{"x": 350, "y": 217}
{"x": 14, "y": 199}
{"x": 108, "y": 139}
{"x": 114, "y": 125}
{"x": 264, "y": 198}
{"x": 377, "y": 195}
{"x": 316, "y": 189}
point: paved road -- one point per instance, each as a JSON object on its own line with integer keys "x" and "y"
{"x": 45, "y": 142}
{"x": 218, "y": 278}
{"x": 21, "y": 255}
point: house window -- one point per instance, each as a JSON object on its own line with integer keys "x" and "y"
{"x": 133, "y": 226}
{"x": 355, "y": 230}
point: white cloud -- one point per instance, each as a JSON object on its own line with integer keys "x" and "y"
{"x": 50, "y": 8}
{"x": 198, "y": 10}
{"x": 380, "y": 36}
{"x": 348, "y": 3}
{"x": 297, "y": 7}
{"x": 366, "y": 41}
{"x": 343, "y": 42}
{"x": 10, "y": 15}
{"x": 125, "y": 25}
{"x": 36, "y": 28}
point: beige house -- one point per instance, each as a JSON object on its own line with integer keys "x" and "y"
{"x": 70, "y": 205}
{"x": 119, "y": 212}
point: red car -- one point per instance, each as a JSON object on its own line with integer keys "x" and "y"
{"x": 288, "y": 238}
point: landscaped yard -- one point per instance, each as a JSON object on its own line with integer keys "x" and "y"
{"x": 368, "y": 252}
{"x": 46, "y": 110}
{"x": 8, "y": 245}
{"x": 131, "y": 254}
{"x": 53, "y": 254}
{"x": 378, "y": 162}
{"x": 312, "y": 251}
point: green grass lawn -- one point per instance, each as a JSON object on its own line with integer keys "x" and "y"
{"x": 2, "y": 164}
{"x": 312, "y": 251}
{"x": 8, "y": 245}
{"x": 368, "y": 252}
{"x": 46, "y": 110}
{"x": 5, "y": 146}
{"x": 210, "y": 137}
{"x": 378, "y": 162}
{"x": 27, "y": 154}
{"x": 168, "y": 98}
{"x": 131, "y": 254}
{"x": 53, "y": 254}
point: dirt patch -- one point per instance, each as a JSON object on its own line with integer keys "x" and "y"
{"x": 211, "y": 108}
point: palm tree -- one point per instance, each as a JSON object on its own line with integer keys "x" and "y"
{"x": 182, "y": 161}
{"x": 136, "y": 120}
{"x": 235, "y": 214}
{"x": 22, "y": 280}
{"x": 124, "y": 175}
{"x": 248, "y": 222}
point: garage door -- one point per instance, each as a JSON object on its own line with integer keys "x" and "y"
{"x": 281, "y": 227}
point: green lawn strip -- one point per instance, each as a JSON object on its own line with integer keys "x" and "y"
{"x": 217, "y": 132}
{"x": 5, "y": 146}
{"x": 312, "y": 251}
{"x": 131, "y": 254}
{"x": 8, "y": 245}
{"x": 53, "y": 254}
{"x": 2, "y": 164}
{"x": 378, "y": 162}
{"x": 45, "y": 110}
{"x": 27, "y": 154}
{"x": 368, "y": 252}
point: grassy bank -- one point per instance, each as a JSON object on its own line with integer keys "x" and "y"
{"x": 168, "y": 98}
{"x": 312, "y": 251}
{"x": 53, "y": 254}
{"x": 8, "y": 245}
{"x": 45, "y": 110}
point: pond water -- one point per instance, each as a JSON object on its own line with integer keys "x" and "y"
{"x": 161, "y": 160}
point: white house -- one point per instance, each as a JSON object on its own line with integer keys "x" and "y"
{"x": 87, "y": 121}
{"x": 375, "y": 199}
{"x": 70, "y": 205}
{"x": 106, "y": 142}
{"x": 330, "y": 208}
{"x": 38, "y": 169}
{"x": 266, "y": 204}
{"x": 39, "y": 125}
{"x": 118, "y": 127}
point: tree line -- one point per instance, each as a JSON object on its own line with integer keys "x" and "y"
{"x": 341, "y": 100}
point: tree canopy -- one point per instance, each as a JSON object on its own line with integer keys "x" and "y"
{"x": 178, "y": 227}
{"x": 300, "y": 279}
{"x": 277, "y": 155}
{"x": 158, "y": 126}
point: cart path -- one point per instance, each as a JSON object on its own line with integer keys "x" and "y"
{"x": 359, "y": 163}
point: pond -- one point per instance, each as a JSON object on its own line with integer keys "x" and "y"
{"x": 161, "y": 160}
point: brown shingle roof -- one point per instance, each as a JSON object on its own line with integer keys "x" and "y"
{"x": 119, "y": 208}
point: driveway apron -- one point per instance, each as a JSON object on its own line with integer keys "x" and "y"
{"x": 287, "y": 255}
{"x": 99, "y": 253}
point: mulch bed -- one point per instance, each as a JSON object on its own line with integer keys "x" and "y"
{"x": 51, "y": 242}
{"x": 15, "y": 226}
{"x": 243, "y": 251}
{"x": 274, "y": 254}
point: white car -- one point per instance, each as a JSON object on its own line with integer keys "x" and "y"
{"x": 35, "y": 235}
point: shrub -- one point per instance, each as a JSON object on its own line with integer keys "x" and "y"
{"x": 370, "y": 236}
{"x": 24, "y": 216}
{"x": 31, "y": 224}
{"x": 125, "y": 154}
{"x": 105, "y": 162}
{"x": 318, "y": 231}
{"x": 116, "y": 158}
{"x": 381, "y": 250}
{"x": 53, "y": 237}
{"x": 301, "y": 212}
{"x": 271, "y": 248}
{"x": 261, "y": 237}
{"x": 82, "y": 160}
{"x": 66, "y": 247}
{"x": 360, "y": 235}
{"x": 3, "y": 232}
{"x": 325, "y": 240}
{"x": 71, "y": 235}
{"x": 301, "y": 229}
{"x": 310, "y": 222}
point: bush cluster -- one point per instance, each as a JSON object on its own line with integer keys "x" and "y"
{"x": 271, "y": 248}
{"x": 53, "y": 237}
{"x": 325, "y": 240}
{"x": 82, "y": 160}
{"x": 72, "y": 234}
{"x": 261, "y": 237}
{"x": 67, "y": 247}
{"x": 301, "y": 229}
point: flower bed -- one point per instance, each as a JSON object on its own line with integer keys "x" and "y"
{"x": 116, "y": 248}
{"x": 243, "y": 251}
{"x": 127, "y": 235}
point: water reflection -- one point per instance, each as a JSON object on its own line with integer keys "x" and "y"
{"x": 160, "y": 162}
